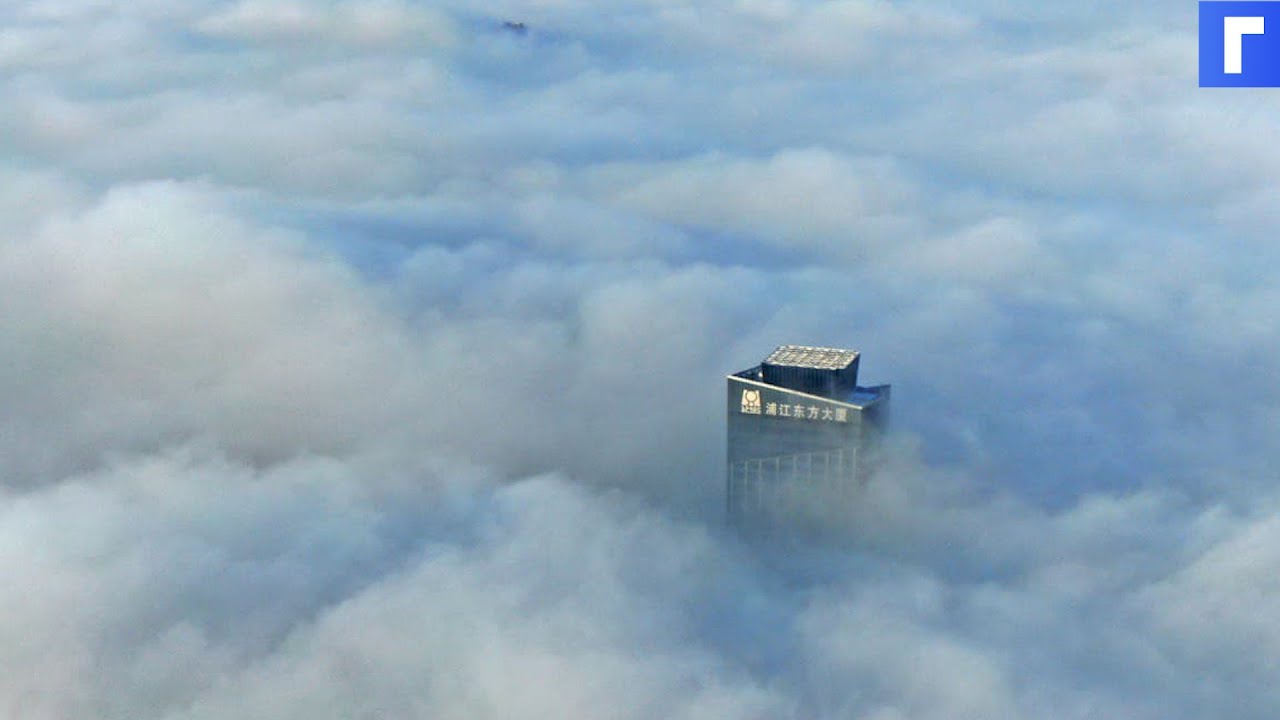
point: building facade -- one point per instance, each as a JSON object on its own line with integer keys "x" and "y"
{"x": 800, "y": 434}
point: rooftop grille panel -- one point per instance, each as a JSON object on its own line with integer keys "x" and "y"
{"x": 817, "y": 358}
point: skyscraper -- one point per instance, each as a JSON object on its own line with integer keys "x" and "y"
{"x": 799, "y": 432}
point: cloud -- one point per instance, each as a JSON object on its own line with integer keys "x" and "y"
{"x": 376, "y": 24}
{"x": 364, "y": 359}
{"x": 797, "y": 199}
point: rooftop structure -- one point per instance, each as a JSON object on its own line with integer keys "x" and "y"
{"x": 815, "y": 358}
{"x": 821, "y": 371}
{"x": 799, "y": 431}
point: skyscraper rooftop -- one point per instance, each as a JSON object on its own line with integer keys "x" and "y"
{"x": 830, "y": 372}
{"x": 799, "y": 432}
{"x": 816, "y": 358}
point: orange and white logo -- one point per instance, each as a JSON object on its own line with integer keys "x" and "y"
{"x": 751, "y": 402}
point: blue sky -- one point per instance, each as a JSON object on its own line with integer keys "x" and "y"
{"x": 365, "y": 358}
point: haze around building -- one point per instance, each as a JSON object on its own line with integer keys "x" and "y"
{"x": 366, "y": 358}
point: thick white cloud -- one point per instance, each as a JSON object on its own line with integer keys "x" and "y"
{"x": 377, "y": 23}
{"x": 798, "y": 199}
{"x": 362, "y": 359}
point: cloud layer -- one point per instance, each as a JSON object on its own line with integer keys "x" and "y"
{"x": 363, "y": 359}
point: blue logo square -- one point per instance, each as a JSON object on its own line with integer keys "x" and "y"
{"x": 1239, "y": 44}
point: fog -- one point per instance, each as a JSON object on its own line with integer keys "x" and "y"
{"x": 365, "y": 359}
